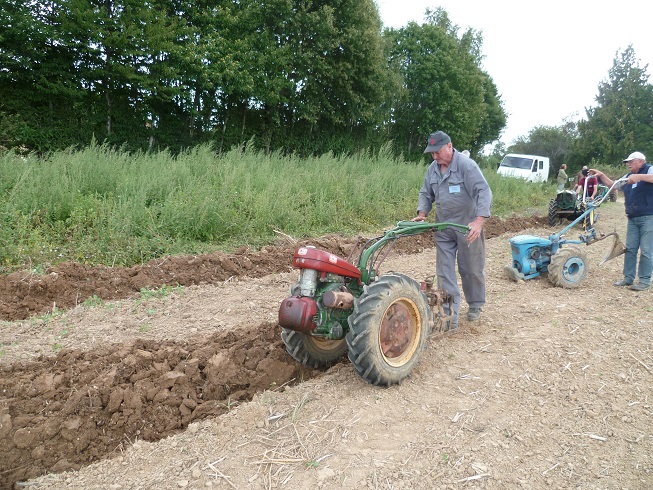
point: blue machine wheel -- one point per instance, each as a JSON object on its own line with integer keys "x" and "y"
{"x": 568, "y": 268}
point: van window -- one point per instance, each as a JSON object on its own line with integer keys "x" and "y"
{"x": 534, "y": 166}
{"x": 541, "y": 164}
{"x": 517, "y": 162}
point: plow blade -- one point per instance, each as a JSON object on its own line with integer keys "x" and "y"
{"x": 617, "y": 249}
{"x": 513, "y": 273}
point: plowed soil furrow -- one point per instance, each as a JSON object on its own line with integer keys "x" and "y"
{"x": 24, "y": 294}
{"x": 62, "y": 412}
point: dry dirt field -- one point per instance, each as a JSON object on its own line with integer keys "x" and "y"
{"x": 552, "y": 388}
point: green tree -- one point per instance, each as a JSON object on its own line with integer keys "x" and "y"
{"x": 554, "y": 142}
{"x": 39, "y": 83}
{"x": 443, "y": 86}
{"x": 130, "y": 56}
{"x": 319, "y": 76}
{"x": 623, "y": 120}
{"x": 493, "y": 120}
{"x": 491, "y": 158}
{"x": 304, "y": 76}
{"x": 290, "y": 75}
{"x": 343, "y": 82}
{"x": 74, "y": 69}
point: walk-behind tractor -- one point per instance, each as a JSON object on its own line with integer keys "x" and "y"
{"x": 381, "y": 321}
{"x": 567, "y": 204}
{"x": 565, "y": 263}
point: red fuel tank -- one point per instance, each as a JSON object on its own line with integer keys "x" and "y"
{"x": 312, "y": 258}
{"x": 297, "y": 314}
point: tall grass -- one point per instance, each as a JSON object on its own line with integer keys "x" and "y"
{"x": 103, "y": 206}
{"x": 515, "y": 196}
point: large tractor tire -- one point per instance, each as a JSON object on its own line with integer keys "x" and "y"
{"x": 315, "y": 352}
{"x": 388, "y": 329}
{"x": 553, "y": 213}
{"x": 568, "y": 268}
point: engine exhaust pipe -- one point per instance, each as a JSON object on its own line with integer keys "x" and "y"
{"x": 338, "y": 299}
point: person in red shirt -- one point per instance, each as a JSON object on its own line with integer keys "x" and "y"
{"x": 592, "y": 185}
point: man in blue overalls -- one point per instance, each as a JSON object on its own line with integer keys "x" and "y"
{"x": 455, "y": 185}
{"x": 638, "y": 192}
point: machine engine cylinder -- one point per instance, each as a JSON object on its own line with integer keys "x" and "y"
{"x": 307, "y": 282}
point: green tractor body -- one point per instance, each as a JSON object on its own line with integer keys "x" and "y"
{"x": 564, "y": 206}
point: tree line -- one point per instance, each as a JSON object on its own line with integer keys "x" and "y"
{"x": 297, "y": 76}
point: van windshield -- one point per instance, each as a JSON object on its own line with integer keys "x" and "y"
{"x": 517, "y": 162}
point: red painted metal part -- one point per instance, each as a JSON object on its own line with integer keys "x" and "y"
{"x": 298, "y": 313}
{"x": 312, "y": 258}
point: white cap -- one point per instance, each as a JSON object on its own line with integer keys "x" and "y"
{"x": 636, "y": 155}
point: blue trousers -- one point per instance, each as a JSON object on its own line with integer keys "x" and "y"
{"x": 639, "y": 238}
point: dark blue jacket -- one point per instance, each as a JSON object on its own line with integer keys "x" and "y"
{"x": 639, "y": 196}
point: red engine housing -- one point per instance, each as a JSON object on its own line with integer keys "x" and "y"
{"x": 312, "y": 258}
{"x": 299, "y": 312}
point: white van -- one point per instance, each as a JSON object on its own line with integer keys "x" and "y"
{"x": 533, "y": 168}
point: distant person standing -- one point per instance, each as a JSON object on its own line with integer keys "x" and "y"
{"x": 562, "y": 177}
{"x": 638, "y": 193}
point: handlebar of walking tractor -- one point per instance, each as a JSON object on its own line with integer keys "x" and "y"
{"x": 370, "y": 257}
{"x": 597, "y": 201}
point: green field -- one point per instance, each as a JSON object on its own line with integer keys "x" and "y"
{"x": 104, "y": 206}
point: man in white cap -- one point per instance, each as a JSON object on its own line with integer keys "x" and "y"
{"x": 455, "y": 184}
{"x": 638, "y": 191}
